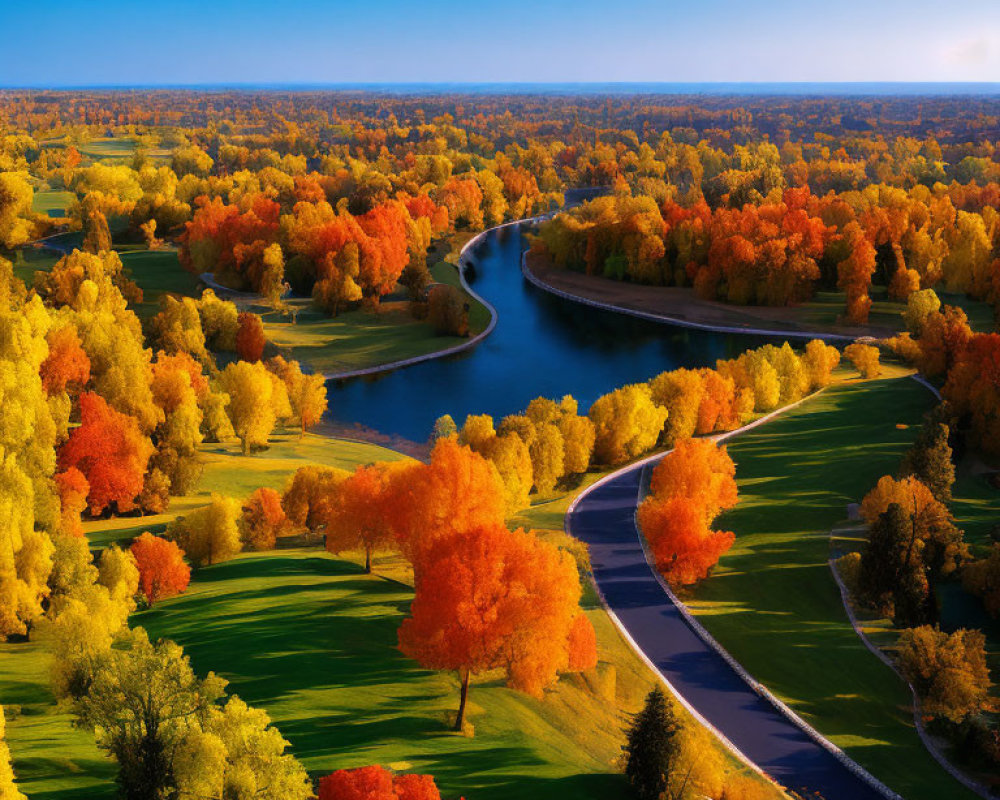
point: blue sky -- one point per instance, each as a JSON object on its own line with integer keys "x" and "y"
{"x": 99, "y": 42}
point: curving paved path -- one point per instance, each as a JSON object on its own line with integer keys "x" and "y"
{"x": 604, "y": 518}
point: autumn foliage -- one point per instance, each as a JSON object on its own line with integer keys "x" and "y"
{"x": 457, "y": 491}
{"x": 355, "y": 513}
{"x": 263, "y": 519}
{"x": 67, "y": 365}
{"x": 111, "y": 451}
{"x": 162, "y": 570}
{"x": 250, "y": 338}
{"x": 689, "y": 487}
{"x": 488, "y": 598}
{"x": 376, "y": 783}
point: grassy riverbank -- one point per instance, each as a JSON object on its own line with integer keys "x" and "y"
{"x": 360, "y": 338}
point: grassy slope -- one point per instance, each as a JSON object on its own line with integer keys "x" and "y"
{"x": 157, "y": 272}
{"x": 312, "y": 639}
{"x": 54, "y": 761}
{"x": 773, "y": 603}
{"x": 358, "y": 339}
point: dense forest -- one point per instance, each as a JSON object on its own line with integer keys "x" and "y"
{"x": 108, "y": 405}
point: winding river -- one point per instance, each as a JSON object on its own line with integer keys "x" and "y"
{"x": 542, "y": 345}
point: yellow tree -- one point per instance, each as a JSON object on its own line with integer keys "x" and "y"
{"x": 865, "y": 358}
{"x": 210, "y": 534}
{"x": 627, "y": 423}
{"x": 251, "y": 402}
{"x": 306, "y": 393}
{"x": 819, "y": 361}
{"x": 510, "y": 455}
{"x": 8, "y": 786}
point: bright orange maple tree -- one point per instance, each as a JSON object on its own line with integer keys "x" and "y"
{"x": 250, "y": 338}
{"x": 689, "y": 487}
{"x": 355, "y": 514}
{"x": 162, "y": 570}
{"x": 489, "y": 598}
{"x": 700, "y": 470}
{"x": 457, "y": 491}
{"x": 111, "y": 451}
{"x": 67, "y": 365}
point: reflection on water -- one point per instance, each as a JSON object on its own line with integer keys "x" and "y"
{"x": 542, "y": 345}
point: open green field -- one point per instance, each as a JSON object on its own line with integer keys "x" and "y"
{"x": 975, "y": 505}
{"x": 52, "y": 759}
{"x": 107, "y": 147}
{"x": 313, "y": 640}
{"x": 52, "y": 203}
{"x": 772, "y": 601}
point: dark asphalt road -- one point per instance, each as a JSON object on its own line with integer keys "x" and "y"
{"x": 604, "y": 519}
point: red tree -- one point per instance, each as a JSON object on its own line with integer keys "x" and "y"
{"x": 457, "y": 491}
{"x": 376, "y": 783}
{"x": 162, "y": 570}
{"x": 263, "y": 519}
{"x": 109, "y": 448}
{"x": 250, "y": 339}
{"x": 73, "y": 488}
{"x": 355, "y": 515}
{"x": 684, "y": 547}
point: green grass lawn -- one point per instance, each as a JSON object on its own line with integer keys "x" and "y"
{"x": 52, "y": 203}
{"x": 313, "y": 640}
{"x": 355, "y": 339}
{"x": 975, "y": 505}
{"x": 772, "y": 601}
{"x": 361, "y": 338}
{"x": 157, "y": 272}
{"x": 53, "y": 760}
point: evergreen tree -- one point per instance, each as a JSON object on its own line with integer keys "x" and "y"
{"x": 652, "y": 746}
{"x": 893, "y": 575}
{"x": 930, "y": 460}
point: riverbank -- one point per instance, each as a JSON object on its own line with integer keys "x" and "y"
{"x": 680, "y": 306}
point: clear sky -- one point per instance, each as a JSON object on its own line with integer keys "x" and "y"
{"x": 121, "y": 42}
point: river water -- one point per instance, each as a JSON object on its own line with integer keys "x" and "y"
{"x": 542, "y": 345}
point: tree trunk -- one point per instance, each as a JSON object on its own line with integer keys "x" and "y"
{"x": 460, "y": 718}
{"x": 368, "y": 560}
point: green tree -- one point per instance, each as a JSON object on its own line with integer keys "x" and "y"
{"x": 930, "y": 460}
{"x": 893, "y": 577}
{"x": 142, "y": 699}
{"x": 652, "y": 749}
